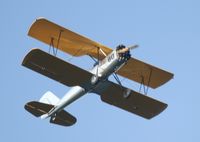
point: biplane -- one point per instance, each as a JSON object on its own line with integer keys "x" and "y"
{"x": 107, "y": 62}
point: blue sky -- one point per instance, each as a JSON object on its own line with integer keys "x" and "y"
{"x": 168, "y": 33}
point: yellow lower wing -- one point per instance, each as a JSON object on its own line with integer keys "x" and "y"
{"x": 65, "y": 40}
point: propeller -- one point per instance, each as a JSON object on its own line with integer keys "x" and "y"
{"x": 133, "y": 47}
{"x": 127, "y": 48}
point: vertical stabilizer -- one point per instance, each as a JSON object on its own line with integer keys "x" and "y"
{"x": 49, "y": 98}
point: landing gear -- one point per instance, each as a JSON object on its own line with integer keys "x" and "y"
{"x": 126, "y": 93}
{"x": 94, "y": 79}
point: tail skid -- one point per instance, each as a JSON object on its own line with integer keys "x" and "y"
{"x": 44, "y": 116}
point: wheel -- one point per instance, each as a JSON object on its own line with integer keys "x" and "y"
{"x": 126, "y": 93}
{"x": 94, "y": 79}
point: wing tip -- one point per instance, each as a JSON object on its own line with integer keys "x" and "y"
{"x": 31, "y": 109}
{"x": 27, "y": 56}
{"x": 158, "y": 111}
{"x": 40, "y": 18}
{"x": 34, "y": 23}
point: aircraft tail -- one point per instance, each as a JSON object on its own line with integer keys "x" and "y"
{"x": 46, "y": 104}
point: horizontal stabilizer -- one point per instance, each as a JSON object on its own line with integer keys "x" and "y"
{"x": 63, "y": 118}
{"x": 56, "y": 68}
{"x": 37, "y": 108}
{"x": 130, "y": 100}
{"x": 40, "y": 109}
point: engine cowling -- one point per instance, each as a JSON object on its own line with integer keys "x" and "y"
{"x": 123, "y": 52}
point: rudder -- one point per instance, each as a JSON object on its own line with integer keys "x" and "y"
{"x": 49, "y": 98}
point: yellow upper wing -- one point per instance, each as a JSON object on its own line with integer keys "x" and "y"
{"x": 70, "y": 42}
{"x": 77, "y": 45}
{"x": 144, "y": 73}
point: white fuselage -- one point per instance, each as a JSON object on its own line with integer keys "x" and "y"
{"x": 101, "y": 71}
